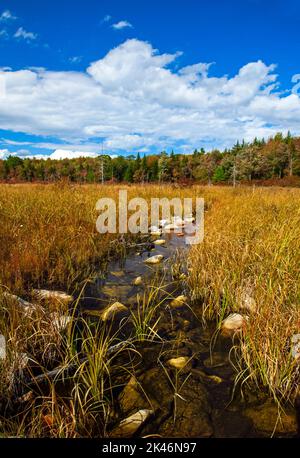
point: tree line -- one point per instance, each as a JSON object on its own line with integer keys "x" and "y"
{"x": 278, "y": 157}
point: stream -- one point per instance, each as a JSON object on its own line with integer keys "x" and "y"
{"x": 198, "y": 400}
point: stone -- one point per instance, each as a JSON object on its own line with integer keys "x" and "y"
{"x": 216, "y": 360}
{"x": 154, "y": 259}
{"x": 130, "y": 425}
{"x": 233, "y": 324}
{"x": 137, "y": 281}
{"x": 118, "y": 273}
{"x": 268, "y": 419}
{"x": 247, "y": 302}
{"x": 159, "y": 242}
{"x": 295, "y": 347}
{"x": 179, "y": 301}
{"x": 191, "y": 416}
{"x": 186, "y": 325}
{"x": 179, "y": 363}
{"x": 115, "y": 291}
{"x": 45, "y": 294}
{"x": 112, "y": 310}
{"x": 2, "y": 347}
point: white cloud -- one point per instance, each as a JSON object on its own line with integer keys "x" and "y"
{"x": 22, "y": 33}
{"x": 67, "y": 154}
{"x": 121, "y": 25}
{"x": 4, "y": 153}
{"x": 75, "y": 59}
{"x": 3, "y": 33}
{"x": 7, "y": 16}
{"x": 106, "y": 18}
{"x": 134, "y": 101}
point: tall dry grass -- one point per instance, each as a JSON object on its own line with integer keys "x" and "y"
{"x": 252, "y": 246}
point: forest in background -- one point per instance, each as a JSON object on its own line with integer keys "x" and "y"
{"x": 270, "y": 160}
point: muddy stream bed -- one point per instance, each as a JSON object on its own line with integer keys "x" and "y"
{"x": 197, "y": 398}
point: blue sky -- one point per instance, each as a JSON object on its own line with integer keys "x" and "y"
{"x": 145, "y": 75}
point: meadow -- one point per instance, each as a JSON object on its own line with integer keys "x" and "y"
{"x": 248, "y": 263}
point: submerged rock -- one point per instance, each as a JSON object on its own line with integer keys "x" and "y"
{"x": 137, "y": 281}
{"x": 118, "y": 273}
{"x": 154, "y": 259}
{"x": 130, "y": 425}
{"x": 46, "y": 294}
{"x": 268, "y": 419}
{"x": 233, "y": 324}
{"x": 192, "y": 414}
{"x": 116, "y": 291}
{"x": 179, "y": 301}
{"x": 159, "y": 242}
{"x": 112, "y": 310}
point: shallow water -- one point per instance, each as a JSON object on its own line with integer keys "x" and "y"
{"x": 229, "y": 413}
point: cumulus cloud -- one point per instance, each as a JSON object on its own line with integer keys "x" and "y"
{"x": 7, "y": 16}
{"x": 133, "y": 100}
{"x": 22, "y": 33}
{"x": 67, "y": 154}
{"x": 121, "y": 25}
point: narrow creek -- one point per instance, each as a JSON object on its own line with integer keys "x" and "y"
{"x": 199, "y": 399}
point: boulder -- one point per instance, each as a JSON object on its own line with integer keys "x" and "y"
{"x": 154, "y": 259}
{"x": 130, "y": 425}
{"x": 112, "y": 310}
